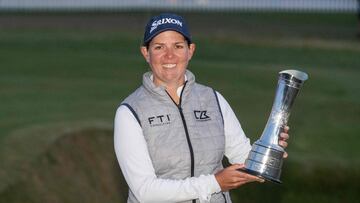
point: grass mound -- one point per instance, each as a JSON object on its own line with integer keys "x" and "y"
{"x": 73, "y": 166}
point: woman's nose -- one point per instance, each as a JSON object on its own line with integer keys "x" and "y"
{"x": 169, "y": 53}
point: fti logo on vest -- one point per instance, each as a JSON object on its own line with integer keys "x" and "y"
{"x": 159, "y": 120}
{"x": 201, "y": 115}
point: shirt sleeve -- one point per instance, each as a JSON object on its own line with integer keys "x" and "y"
{"x": 237, "y": 145}
{"x": 136, "y": 165}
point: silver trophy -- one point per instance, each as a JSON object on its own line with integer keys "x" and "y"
{"x": 266, "y": 156}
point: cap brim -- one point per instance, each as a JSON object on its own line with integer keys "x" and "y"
{"x": 187, "y": 38}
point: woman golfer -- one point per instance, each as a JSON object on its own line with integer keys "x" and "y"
{"x": 172, "y": 133}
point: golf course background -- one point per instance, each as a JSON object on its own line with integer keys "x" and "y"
{"x": 62, "y": 76}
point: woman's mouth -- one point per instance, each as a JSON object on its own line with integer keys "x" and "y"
{"x": 169, "y": 65}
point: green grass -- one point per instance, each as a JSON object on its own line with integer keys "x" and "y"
{"x": 73, "y": 77}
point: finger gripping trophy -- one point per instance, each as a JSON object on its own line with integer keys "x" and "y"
{"x": 266, "y": 156}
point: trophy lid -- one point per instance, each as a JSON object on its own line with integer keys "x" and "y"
{"x": 302, "y": 76}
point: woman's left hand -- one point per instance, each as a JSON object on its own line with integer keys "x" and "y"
{"x": 284, "y": 136}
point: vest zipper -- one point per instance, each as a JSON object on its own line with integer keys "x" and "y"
{"x": 223, "y": 194}
{"x": 186, "y": 132}
{"x": 188, "y": 140}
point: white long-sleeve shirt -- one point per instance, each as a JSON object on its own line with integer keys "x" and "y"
{"x": 137, "y": 168}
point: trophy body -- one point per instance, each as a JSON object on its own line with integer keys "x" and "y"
{"x": 266, "y": 156}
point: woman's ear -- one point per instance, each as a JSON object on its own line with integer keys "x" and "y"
{"x": 192, "y": 48}
{"x": 145, "y": 53}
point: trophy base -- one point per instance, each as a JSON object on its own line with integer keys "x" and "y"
{"x": 265, "y": 162}
{"x": 258, "y": 174}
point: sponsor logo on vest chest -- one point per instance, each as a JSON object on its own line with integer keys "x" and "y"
{"x": 159, "y": 120}
{"x": 201, "y": 115}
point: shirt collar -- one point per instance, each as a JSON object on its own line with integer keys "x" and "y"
{"x": 179, "y": 89}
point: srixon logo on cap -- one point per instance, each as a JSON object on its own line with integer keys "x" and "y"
{"x": 156, "y": 23}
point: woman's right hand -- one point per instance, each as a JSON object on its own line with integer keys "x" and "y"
{"x": 231, "y": 178}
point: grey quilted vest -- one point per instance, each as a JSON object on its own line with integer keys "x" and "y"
{"x": 185, "y": 140}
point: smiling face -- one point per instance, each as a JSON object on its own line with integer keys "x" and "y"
{"x": 168, "y": 55}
